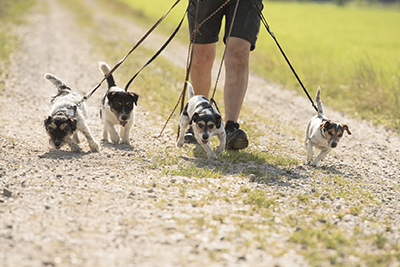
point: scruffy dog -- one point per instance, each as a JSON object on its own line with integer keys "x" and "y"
{"x": 322, "y": 134}
{"x": 66, "y": 118}
{"x": 207, "y": 122}
{"x": 116, "y": 108}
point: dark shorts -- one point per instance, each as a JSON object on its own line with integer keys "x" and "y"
{"x": 246, "y": 25}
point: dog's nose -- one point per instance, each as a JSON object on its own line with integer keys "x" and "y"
{"x": 334, "y": 144}
{"x": 205, "y": 136}
{"x": 57, "y": 144}
{"x": 124, "y": 117}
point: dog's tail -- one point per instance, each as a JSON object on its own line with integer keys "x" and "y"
{"x": 190, "y": 90}
{"x": 319, "y": 103}
{"x": 56, "y": 81}
{"x": 105, "y": 69}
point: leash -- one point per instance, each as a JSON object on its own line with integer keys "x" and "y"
{"x": 157, "y": 53}
{"x": 87, "y": 96}
{"x": 264, "y": 21}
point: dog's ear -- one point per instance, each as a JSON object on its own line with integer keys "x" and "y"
{"x": 73, "y": 124}
{"x": 47, "y": 122}
{"x": 135, "y": 97}
{"x": 346, "y": 128}
{"x": 218, "y": 120}
{"x": 194, "y": 117}
{"x": 110, "y": 96}
{"x": 325, "y": 125}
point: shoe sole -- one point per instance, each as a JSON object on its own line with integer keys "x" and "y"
{"x": 238, "y": 142}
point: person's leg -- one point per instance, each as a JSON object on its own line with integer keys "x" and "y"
{"x": 202, "y": 63}
{"x": 236, "y": 76}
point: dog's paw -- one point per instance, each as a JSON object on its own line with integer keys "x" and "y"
{"x": 115, "y": 139}
{"x": 75, "y": 148}
{"x": 180, "y": 142}
{"x": 126, "y": 142}
{"x": 220, "y": 149}
{"x": 211, "y": 155}
{"x": 94, "y": 147}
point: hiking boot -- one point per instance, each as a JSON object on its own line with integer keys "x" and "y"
{"x": 236, "y": 138}
{"x": 189, "y": 136}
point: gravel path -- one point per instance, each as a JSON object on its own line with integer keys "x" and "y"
{"x": 112, "y": 208}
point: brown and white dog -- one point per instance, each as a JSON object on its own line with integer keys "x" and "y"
{"x": 322, "y": 133}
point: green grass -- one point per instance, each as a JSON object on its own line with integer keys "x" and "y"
{"x": 351, "y": 52}
{"x": 10, "y": 14}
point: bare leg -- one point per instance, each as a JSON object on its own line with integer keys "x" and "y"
{"x": 203, "y": 59}
{"x": 236, "y": 77}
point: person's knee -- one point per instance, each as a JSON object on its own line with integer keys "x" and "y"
{"x": 238, "y": 53}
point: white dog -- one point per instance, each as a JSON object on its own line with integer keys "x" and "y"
{"x": 207, "y": 122}
{"x": 322, "y": 134}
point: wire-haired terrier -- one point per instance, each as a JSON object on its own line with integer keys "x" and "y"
{"x": 66, "y": 117}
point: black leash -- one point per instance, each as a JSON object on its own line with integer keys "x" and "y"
{"x": 157, "y": 53}
{"x": 86, "y": 97}
{"x": 264, "y": 21}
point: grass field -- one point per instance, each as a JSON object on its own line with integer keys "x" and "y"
{"x": 351, "y": 52}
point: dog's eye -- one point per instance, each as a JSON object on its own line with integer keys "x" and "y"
{"x": 330, "y": 133}
{"x": 210, "y": 126}
{"x": 200, "y": 125}
{"x": 340, "y": 135}
{"x": 119, "y": 104}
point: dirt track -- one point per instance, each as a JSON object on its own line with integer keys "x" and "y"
{"x": 59, "y": 208}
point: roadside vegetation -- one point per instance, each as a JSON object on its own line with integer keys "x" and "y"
{"x": 10, "y": 16}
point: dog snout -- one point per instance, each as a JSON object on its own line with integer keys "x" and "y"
{"x": 334, "y": 144}
{"x": 124, "y": 117}
{"x": 57, "y": 144}
{"x": 205, "y": 136}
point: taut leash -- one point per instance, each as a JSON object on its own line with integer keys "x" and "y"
{"x": 264, "y": 21}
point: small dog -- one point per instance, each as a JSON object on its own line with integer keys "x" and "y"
{"x": 116, "y": 108}
{"x": 66, "y": 118}
{"x": 207, "y": 122}
{"x": 322, "y": 134}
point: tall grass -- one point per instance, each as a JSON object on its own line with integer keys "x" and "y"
{"x": 351, "y": 52}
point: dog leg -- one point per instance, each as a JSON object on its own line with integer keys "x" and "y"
{"x": 124, "y": 133}
{"x": 105, "y": 135}
{"x": 320, "y": 156}
{"x": 183, "y": 124}
{"x": 113, "y": 134}
{"x": 74, "y": 146}
{"x": 209, "y": 151}
{"x": 310, "y": 153}
{"x": 222, "y": 141}
{"x": 94, "y": 147}
{"x": 76, "y": 138}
